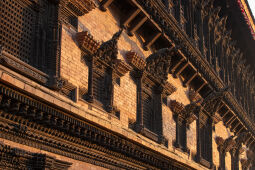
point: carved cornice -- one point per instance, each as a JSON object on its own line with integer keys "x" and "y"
{"x": 135, "y": 60}
{"x": 14, "y": 158}
{"x": 33, "y": 122}
{"x": 86, "y": 42}
{"x": 121, "y": 67}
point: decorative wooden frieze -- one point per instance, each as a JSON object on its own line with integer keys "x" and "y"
{"x": 86, "y": 42}
{"x": 135, "y": 60}
{"x": 14, "y": 158}
{"x": 81, "y": 7}
{"x": 64, "y": 134}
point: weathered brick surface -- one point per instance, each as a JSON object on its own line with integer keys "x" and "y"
{"x": 102, "y": 25}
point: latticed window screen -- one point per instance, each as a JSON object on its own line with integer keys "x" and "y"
{"x": 17, "y": 20}
{"x": 182, "y": 134}
{"x": 205, "y": 138}
{"x": 99, "y": 84}
{"x": 148, "y": 111}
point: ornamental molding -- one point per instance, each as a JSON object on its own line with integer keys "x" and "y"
{"x": 14, "y": 158}
{"x": 31, "y": 122}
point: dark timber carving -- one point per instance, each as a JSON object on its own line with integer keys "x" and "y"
{"x": 34, "y": 123}
{"x": 14, "y": 158}
{"x": 184, "y": 116}
{"x": 152, "y": 86}
{"x": 104, "y": 69}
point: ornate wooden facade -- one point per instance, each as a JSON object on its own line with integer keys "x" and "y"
{"x": 189, "y": 41}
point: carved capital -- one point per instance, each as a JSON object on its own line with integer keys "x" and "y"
{"x": 121, "y": 67}
{"x": 135, "y": 60}
{"x": 86, "y": 42}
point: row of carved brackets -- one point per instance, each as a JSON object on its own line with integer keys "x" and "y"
{"x": 209, "y": 73}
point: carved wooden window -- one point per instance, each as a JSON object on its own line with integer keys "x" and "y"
{"x": 30, "y": 35}
{"x": 204, "y": 139}
{"x": 183, "y": 117}
{"x": 152, "y": 87}
{"x": 151, "y": 106}
{"x": 18, "y": 27}
{"x": 101, "y": 84}
{"x": 104, "y": 69}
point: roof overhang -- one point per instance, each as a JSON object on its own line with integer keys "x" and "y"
{"x": 246, "y": 11}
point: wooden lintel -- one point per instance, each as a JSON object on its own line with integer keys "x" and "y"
{"x": 105, "y": 4}
{"x": 177, "y": 73}
{"x": 149, "y": 42}
{"x": 187, "y": 82}
{"x": 137, "y": 26}
{"x": 197, "y": 91}
{"x": 130, "y": 17}
{"x": 177, "y": 65}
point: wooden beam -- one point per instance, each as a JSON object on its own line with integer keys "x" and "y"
{"x": 177, "y": 65}
{"x": 198, "y": 90}
{"x": 105, "y": 4}
{"x": 239, "y": 130}
{"x": 137, "y": 26}
{"x": 177, "y": 73}
{"x": 130, "y": 17}
{"x": 233, "y": 118}
{"x": 225, "y": 114}
{"x": 238, "y": 124}
{"x": 187, "y": 82}
{"x": 149, "y": 42}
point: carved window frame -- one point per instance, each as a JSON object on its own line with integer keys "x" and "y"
{"x": 151, "y": 79}
{"x": 103, "y": 63}
{"x": 204, "y": 139}
{"x": 183, "y": 116}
